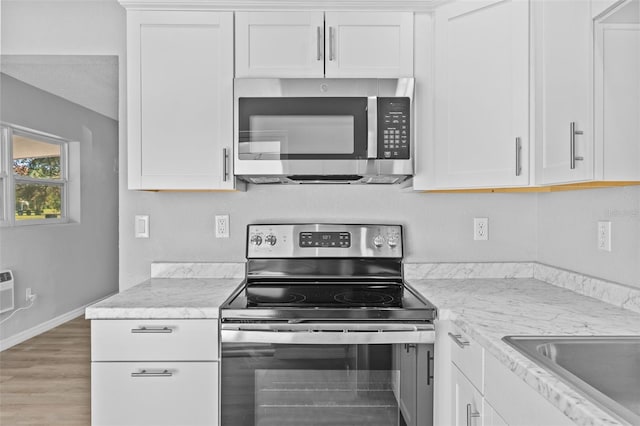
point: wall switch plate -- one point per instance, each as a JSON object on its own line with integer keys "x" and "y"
{"x": 604, "y": 236}
{"x": 480, "y": 228}
{"x": 222, "y": 226}
{"x": 142, "y": 226}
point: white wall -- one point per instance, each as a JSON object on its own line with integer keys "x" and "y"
{"x": 567, "y": 236}
{"x": 66, "y": 265}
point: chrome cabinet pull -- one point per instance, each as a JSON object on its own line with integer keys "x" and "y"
{"x": 145, "y": 329}
{"x": 225, "y": 158}
{"x": 152, "y": 373}
{"x": 429, "y": 368}
{"x": 319, "y": 44}
{"x": 471, "y": 414}
{"x": 331, "y": 40}
{"x": 518, "y": 150}
{"x": 572, "y": 144}
{"x": 409, "y": 346}
{"x": 457, "y": 338}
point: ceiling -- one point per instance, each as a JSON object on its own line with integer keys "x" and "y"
{"x": 89, "y": 81}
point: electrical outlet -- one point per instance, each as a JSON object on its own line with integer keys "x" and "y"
{"x": 604, "y": 236}
{"x": 141, "y": 226}
{"x": 222, "y": 226}
{"x": 29, "y": 296}
{"x": 480, "y": 228}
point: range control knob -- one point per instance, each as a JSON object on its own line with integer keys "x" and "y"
{"x": 378, "y": 241}
{"x": 270, "y": 239}
{"x": 392, "y": 241}
{"x": 256, "y": 240}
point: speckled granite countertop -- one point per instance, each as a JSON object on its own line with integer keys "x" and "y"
{"x": 489, "y": 309}
{"x": 189, "y": 298}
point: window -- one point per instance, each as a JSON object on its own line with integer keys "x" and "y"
{"x": 34, "y": 177}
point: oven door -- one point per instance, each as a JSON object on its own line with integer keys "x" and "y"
{"x": 326, "y": 374}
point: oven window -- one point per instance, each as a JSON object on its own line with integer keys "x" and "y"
{"x": 297, "y": 385}
{"x": 302, "y": 128}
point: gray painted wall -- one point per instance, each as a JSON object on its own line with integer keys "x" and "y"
{"x": 66, "y": 265}
{"x": 567, "y": 232}
{"x": 438, "y": 227}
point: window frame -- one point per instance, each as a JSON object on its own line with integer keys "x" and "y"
{"x": 11, "y": 179}
{"x": 4, "y": 190}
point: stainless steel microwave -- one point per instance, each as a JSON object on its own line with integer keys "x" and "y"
{"x": 323, "y": 130}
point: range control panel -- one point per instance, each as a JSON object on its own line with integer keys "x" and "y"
{"x": 324, "y": 240}
{"x": 393, "y": 128}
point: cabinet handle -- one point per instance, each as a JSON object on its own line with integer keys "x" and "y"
{"x": 471, "y": 414}
{"x": 331, "y": 39}
{"x": 458, "y": 339}
{"x": 152, "y": 373}
{"x": 319, "y": 44}
{"x": 572, "y": 144}
{"x": 429, "y": 373}
{"x": 225, "y": 157}
{"x": 518, "y": 150}
{"x": 145, "y": 329}
{"x": 409, "y": 346}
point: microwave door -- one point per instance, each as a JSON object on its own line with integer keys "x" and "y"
{"x": 303, "y": 128}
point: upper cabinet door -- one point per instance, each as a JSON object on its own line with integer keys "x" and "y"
{"x": 180, "y": 99}
{"x": 482, "y": 81}
{"x": 563, "y": 91}
{"x": 369, "y": 44}
{"x": 280, "y": 44}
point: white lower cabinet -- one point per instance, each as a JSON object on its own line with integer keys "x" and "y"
{"x": 154, "y": 372}
{"x": 515, "y": 401}
{"x": 154, "y": 393}
{"x": 467, "y": 401}
{"x": 481, "y": 390}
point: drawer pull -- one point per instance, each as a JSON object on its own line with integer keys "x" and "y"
{"x": 144, "y": 329}
{"x": 458, "y": 339}
{"x": 471, "y": 414}
{"x": 152, "y": 373}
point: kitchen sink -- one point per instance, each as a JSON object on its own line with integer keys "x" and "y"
{"x": 606, "y": 370}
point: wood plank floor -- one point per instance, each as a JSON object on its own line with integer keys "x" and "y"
{"x": 46, "y": 380}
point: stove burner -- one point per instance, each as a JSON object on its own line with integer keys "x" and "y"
{"x": 271, "y": 299}
{"x": 363, "y": 298}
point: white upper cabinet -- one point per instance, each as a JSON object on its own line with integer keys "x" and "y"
{"x": 369, "y": 44}
{"x": 563, "y": 91}
{"x": 481, "y": 95}
{"x": 315, "y": 44}
{"x": 280, "y": 44}
{"x": 180, "y": 100}
{"x": 617, "y": 96}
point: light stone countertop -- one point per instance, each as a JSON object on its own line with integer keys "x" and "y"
{"x": 486, "y": 308}
{"x": 489, "y": 309}
{"x": 190, "y": 298}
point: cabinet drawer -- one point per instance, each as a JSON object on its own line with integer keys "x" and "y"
{"x": 154, "y": 340}
{"x": 158, "y": 393}
{"x": 468, "y": 356}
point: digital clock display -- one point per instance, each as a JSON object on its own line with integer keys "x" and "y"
{"x": 325, "y": 239}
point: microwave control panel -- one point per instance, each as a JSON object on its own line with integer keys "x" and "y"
{"x": 393, "y": 128}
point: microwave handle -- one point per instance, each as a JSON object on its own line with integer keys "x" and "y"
{"x": 372, "y": 127}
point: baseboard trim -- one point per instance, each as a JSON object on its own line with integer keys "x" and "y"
{"x": 45, "y": 326}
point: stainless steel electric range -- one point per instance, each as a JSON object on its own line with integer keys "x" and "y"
{"x": 324, "y": 331}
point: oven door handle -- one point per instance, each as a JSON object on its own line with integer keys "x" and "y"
{"x": 324, "y": 334}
